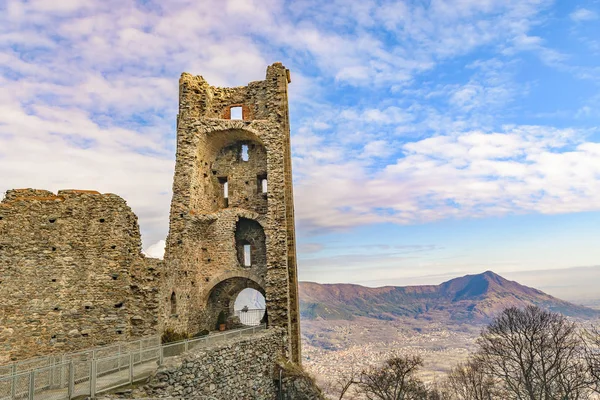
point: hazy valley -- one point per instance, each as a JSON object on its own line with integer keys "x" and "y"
{"x": 347, "y": 327}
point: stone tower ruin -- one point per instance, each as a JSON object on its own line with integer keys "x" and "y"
{"x": 72, "y": 274}
{"x": 232, "y": 214}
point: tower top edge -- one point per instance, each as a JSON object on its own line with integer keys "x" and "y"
{"x": 187, "y": 77}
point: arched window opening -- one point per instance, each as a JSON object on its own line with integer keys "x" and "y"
{"x": 239, "y": 159}
{"x": 249, "y": 307}
{"x": 247, "y": 255}
{"x": 236, "y": 112}
{"x": 244, "y": 153}
{"x": 250, "y": 242}
{"x": 173, "y": 304}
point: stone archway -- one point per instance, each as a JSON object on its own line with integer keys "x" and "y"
{"x": 221, "y": 298}
{"x": 250, "y": 308}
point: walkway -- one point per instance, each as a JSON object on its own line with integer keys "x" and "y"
{"x": 89, "y": 377}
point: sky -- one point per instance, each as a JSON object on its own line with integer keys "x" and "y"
{"x": 430, "y": 138}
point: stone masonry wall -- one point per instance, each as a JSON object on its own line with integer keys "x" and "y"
{"x": 72, "y": 275}
{"x": 202, "y": 250}
{"x": 242, "y": 369}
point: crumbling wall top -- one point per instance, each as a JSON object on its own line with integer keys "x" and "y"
{"x": 198, "y": 99}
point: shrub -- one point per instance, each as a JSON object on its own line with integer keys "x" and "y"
{"x": 202, "y": 333}
{"x": 170, "y": 336}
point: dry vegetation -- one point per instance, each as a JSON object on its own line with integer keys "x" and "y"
{"x": 337, "y": 351}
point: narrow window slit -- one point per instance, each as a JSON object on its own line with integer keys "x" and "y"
{"x": 245, "y": 155}
{"x": 247, "y": 256}
{"x": 173, "y": 304}
{"x": 225, "y": 188}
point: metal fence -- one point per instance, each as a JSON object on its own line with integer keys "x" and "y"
{"x": 96, "y": 352}
{"x": 93, "y": 372}
{"x": 250, "y": 317}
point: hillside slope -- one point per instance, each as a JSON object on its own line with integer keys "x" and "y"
{"x": 469, "y": 298}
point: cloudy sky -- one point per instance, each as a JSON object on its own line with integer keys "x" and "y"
{"x": 431, "y": 138}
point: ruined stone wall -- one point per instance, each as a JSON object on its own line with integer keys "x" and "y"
{"x": 203, "y": 246}
{"x": 242, "y": 368}
{"x": 195, "y": 277}
{"x": 71, "y": 273}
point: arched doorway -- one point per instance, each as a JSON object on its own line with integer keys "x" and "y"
{"x": 250, "y": 307}
{"x": 220, "y": 308}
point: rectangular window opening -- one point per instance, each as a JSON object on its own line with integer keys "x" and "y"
{"x": 225, "y": 187}
{"x": 245, "y": 155}
{"x": 247, "y": 257}
{"x": 236, "y": 112}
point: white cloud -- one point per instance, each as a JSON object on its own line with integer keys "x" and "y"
{"x": 583, "y": 14}
{"x": 156, "y": 250}
{"x": 378, "y": 149}
{"x": 523, "y": 169}
{"x": 90, "y": 95}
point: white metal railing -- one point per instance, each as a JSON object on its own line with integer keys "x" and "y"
{"x": 250, "y": 316}
{"x": 53, "y": 359}
{"x": 80, "y": 376}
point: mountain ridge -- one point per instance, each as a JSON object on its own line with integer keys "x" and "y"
{"x": 470, "y": 298}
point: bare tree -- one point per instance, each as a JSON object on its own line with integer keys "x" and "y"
{"x": 591, "y": 340}
{"x": 394, "y": 380}
{"x": 470, "y": 381}
{"x": 342, "y": 385}
{"x": 534, "y": 355}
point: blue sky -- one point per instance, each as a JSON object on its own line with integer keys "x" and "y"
{"x": 430, "y": 138}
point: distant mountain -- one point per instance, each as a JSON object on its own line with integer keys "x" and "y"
{"x": 471, "y": 298}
